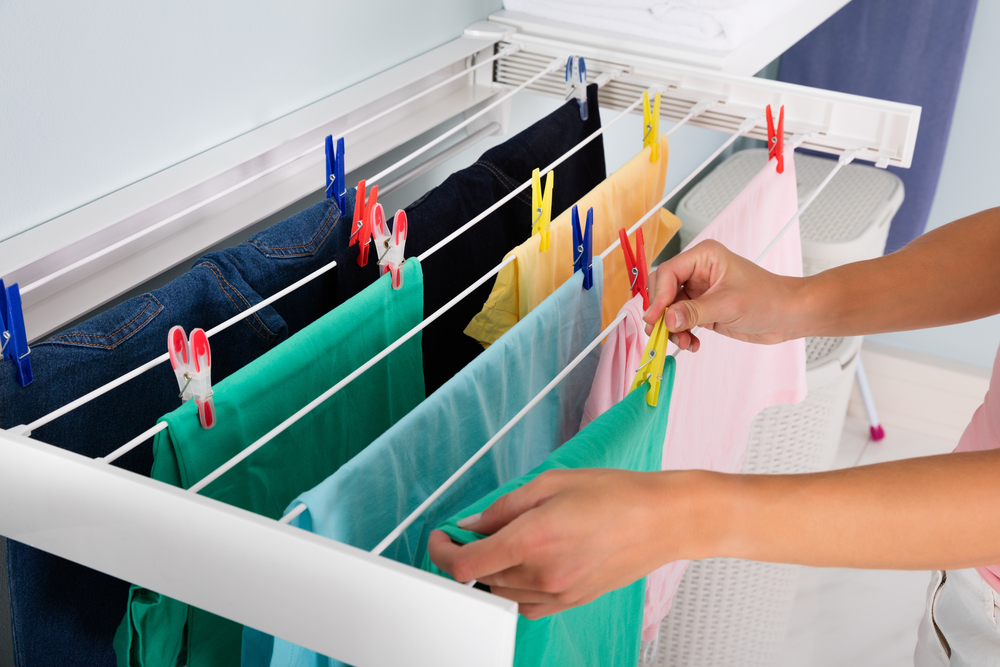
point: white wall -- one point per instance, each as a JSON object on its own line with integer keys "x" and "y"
{"x": 970, "y": 182}
{"x": 97, "y": 95}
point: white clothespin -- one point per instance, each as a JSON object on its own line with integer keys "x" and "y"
{"x": 576, "y": 83}
{"x": 390, "y": 246}
{"x": 192, "y": 362}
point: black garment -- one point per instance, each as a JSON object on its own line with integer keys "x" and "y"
{"x": 469, "y": 192}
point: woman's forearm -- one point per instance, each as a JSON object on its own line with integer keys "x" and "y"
{"x": 936, "y": 512}
{"x": 949, "y": 275}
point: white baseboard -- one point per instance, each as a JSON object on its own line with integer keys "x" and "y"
{"x": 920, "y": 393}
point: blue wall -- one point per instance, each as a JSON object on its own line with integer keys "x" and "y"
{"x": 970, "y": 182}
{"x": 97, "y": 95}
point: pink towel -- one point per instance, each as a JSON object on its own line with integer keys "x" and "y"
{"x": 718, "y": 391}
{"x": 620, "y": 357}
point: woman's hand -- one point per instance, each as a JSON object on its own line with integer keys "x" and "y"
{"x": 569, "y": 536}
{"x": 711, "y": 287}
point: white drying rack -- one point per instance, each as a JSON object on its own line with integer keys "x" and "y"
{"x": 323, "y": 595}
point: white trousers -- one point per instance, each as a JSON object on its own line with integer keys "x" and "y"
{"x": 959, "y": 628}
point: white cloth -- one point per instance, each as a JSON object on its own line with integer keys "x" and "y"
{"x": 711, "y": 24}
{"x": 959, "y": 628}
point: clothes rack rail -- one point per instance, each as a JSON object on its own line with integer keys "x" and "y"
{"x": 258, "y": 571}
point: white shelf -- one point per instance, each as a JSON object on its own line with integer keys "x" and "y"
{"x": 748, "y": 59}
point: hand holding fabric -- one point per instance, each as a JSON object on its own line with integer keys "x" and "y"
{"x": 570, "y": 536}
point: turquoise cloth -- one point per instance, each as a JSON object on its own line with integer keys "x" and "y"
{"x": 629, "y": 436}
{"x": 372, "y": 494}
{"x": 158, "y": 631}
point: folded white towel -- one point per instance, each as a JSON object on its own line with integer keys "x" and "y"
{"x": 711, "y": 24}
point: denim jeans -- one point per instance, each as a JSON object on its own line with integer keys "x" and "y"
{"x": 66, "y": 614}
{"x": 469, "y": 192}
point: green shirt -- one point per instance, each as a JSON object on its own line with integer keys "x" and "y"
{"x": 161, "y": 632}
{"x": 629, "y": 436}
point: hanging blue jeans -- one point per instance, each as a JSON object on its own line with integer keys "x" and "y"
{"x": 66, "y": 614}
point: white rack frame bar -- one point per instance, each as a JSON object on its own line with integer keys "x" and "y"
{"x": 237, "y": 564}
{"x": 881, "y": 132}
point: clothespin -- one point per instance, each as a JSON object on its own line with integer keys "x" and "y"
{"x": 361, "y": 230}
{"x": 541, "y": 207}
{"x": 583, "y": 247}
{"x": 14, "y": 340}
{"x": 636, "y": 265}
{"x": 652, "y": 368}
{"x": 192, "y": 363}
{"x": 336, "y": 186}
{"x": 576, "y": 83}
{"x": 776, "y": 138}
{"x": 390, "y": 246}
{"x": 651, "y": 125}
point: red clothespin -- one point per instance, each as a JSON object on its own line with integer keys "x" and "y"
{"x": 776, "y": 138}
{"x": 361, "y": 231}
{"x": 192, "y": 362}
{"x": 638, "y": 272}
{"x": 390, "y": 246}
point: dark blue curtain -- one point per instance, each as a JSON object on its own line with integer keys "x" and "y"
{"x": 909, "y": 51}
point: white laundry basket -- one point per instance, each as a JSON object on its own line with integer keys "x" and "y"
{"x": 734, "y": 613}
{"x": 848, "y": 222}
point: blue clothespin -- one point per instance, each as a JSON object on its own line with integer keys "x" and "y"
{"x": 336, "y": 186}
{"x": 583, "y": 247}
{"x": 14, "y": 340}
{"x": 576, "y": 83}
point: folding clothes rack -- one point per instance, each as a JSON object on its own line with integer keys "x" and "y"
{"x": 326, "y": 596}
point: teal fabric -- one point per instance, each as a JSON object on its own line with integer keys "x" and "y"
{"x": 158, "y": 631}
{"x": 629, "y": 436}
{"x": 367, "y": 498}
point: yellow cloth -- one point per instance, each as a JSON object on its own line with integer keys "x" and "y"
{"x": 618, "y": 202}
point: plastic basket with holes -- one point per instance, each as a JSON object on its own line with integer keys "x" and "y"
{"x": 730, "y": 612}
{"x": 848, "y": 222}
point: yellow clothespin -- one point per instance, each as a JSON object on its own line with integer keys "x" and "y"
{"x": 652, "y": 368}
{"x": 541, "y": 207}
{"x": 651, "y": 125}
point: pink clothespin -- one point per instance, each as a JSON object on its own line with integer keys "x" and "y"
{"x": 361, "y": 231}
{"x": 192, "y": 362}
{"x": 390, "y": 246}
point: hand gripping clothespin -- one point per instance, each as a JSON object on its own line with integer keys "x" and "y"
{"x": 14, "y": 340}
{"x": 336, "y": 186}
{"x": 776, "y": 138}
{"x": 655, "y": 356}
{"x": 361, "y": 230}
{"x": 541, "y": 207}
{"x": 192, "y": 363}
{"x": 638, "y": 273}
{"x": 651, "y": 125}
{"x": 390, "y": 246}
{"x": 583, "y": 247}
{"x": 576, "y": 84}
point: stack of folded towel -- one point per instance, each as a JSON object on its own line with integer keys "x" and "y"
{"x": 711, "y": 24}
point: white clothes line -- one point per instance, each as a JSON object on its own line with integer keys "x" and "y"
{"x": 86, "y": 398}
{"x": 505, "y": 52}
{"x": 228, "y": 465}
{"x": 746, "y": 127}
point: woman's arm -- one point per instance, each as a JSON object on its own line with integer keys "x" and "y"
{"x": 570, "y": 536}
{"x": 949, "y": 275}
